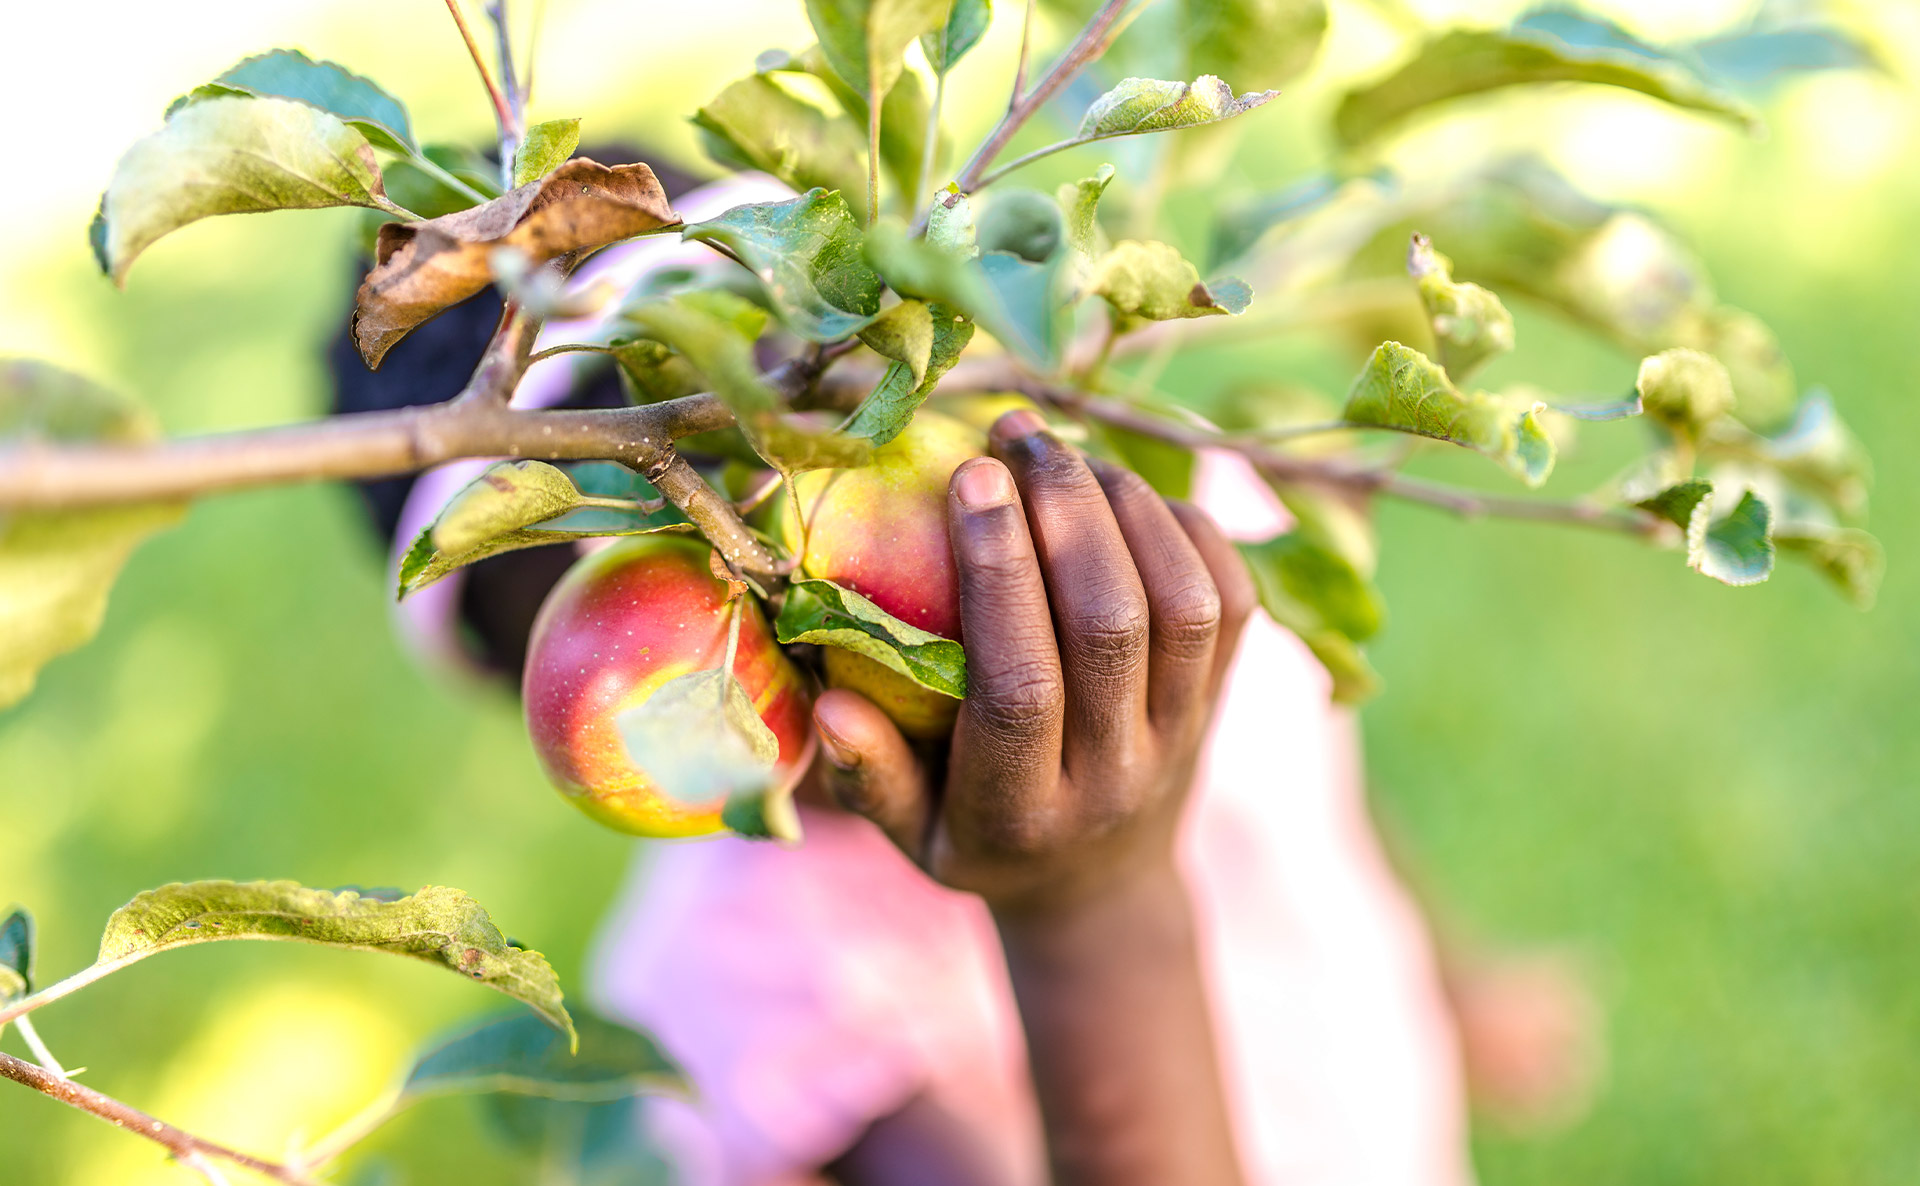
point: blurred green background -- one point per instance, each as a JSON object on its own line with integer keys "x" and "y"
{"x": 1707, "y": 793}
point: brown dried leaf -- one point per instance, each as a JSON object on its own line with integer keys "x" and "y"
{"x": 421, "y": 268}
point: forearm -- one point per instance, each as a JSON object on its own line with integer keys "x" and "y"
{"x": 1121, "y": 1041}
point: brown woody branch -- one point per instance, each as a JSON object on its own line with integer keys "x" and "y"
{"x": 1086, "y": 48}
{"x": 184, "y": 1146}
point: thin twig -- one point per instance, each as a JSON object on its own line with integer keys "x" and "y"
{"x": 503, "y": 54}
{"x": 31, "y": 1037}
{"x": 502, "y": 114}
{"x": 1086, "y": 48}
{"x": 1340, "y": 475}
{"x": 182, "y": 1144}
{"x": 1026, "y": 50}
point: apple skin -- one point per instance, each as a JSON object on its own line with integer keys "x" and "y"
{"x": 881, "y": 530}
{"x": 621, "y": 623}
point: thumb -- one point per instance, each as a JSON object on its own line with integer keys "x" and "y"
{"x": 871, "y": 770}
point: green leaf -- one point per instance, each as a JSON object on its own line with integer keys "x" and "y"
{"x": 1735, "y": 549}
{"x": 16, "y": 955}
{"x": 1761, "y": 58}
{"x": 234, "y": 156}
{"x": 1464, "y": 62}
{"x": 1848, "y": 557}
{"x": 56, "y": 567}
{"x": 439, "y": 925}
{"x": 756, "y": 123}
{"x": 966, "y": 24}
{"x": 1079, "y": 206}
{"x": 289, "y": 74}
{"x": 1318, "y": 594}
{"x": 514, "y": 505}
{"x": 1469, "y": 323}
{"x": 865, "y": 41}
{"x": 826, "y": 614}
{"x": 517, "y": 1055}
{"x": 1263, "y": 43}
{"x": 1016, "y": 301}
{"x": 950, "y": 223}
{"x": 1684, "y": 389}
{"x": 698, "y": 738}
{"x": 903, "y": 123}
{"x": 1154, "y": 281}
{"x": 806, "y": 253}
{"x": 1140, "y": 105}
{"x": 1022, "y": 222}
{"x": 887, "y": 411}
{"x": 903, "y": 333}
{"x": 653, "y": 371}
{"x": 546, "y": 148}
{"x": 717, "y": 349}
{"x": 1819, "y": 453}
{"x": 1738, "y": 549}
{"x": 1401, "y": 389}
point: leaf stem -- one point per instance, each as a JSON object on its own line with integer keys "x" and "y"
{"x": 185, "y": 1147}
{"x": 873, "y": 153}
{"x": 1086, "y": 48}
{"x": 427, "y": 165}
{"x": 53, "y": 992}
{"x": 31, "y": 1037}
{"x": 351, "y": 1132}
{"x": 930, "y": 150}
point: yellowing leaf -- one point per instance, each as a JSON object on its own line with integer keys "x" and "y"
{"x": 1684, "y": 389}
{"x": 1401, "y": 389}
{"x": 903, "y": 333}
{"x": 1154, "y": 281}
{"x": 438, "y": 925}
{"x": 1139, "y": 105}
{"x": 1469, "y": 323}
{"x": 57, "y": 567}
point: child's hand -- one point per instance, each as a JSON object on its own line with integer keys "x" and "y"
{"x": 1098, "y": 624}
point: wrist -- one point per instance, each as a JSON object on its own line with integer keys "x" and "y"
{"x": 1145, "y": 906}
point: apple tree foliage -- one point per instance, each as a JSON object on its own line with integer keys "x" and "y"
{"x": 894, "y": 274}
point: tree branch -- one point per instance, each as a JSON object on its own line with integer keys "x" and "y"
{"x": 1086, "y": 48}
{"x": 187, "y": 1148}
{"x": 1341, "y": 475}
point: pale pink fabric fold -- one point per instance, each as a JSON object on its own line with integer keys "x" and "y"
{"x": 812, "y": 991}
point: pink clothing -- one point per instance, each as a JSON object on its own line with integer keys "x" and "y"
{"x": 812, "y": 991}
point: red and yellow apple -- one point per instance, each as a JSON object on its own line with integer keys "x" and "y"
{"x": 881, "y": 530}
{"x": 620, "y": 624}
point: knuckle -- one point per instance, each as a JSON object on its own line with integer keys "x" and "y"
{"x": 1113, "y": 636}
{"x": 1190, "y": 614}
{"x": 1021, "y": 836}
{"x": 1018, "y": 696}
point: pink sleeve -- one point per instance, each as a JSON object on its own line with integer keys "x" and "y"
{"x": 810, "y": 992}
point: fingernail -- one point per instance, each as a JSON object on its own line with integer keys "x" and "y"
{"x": 982, "y": 484}
{"x": 1022, "y": 422}
{"x": 843, "y": 756}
